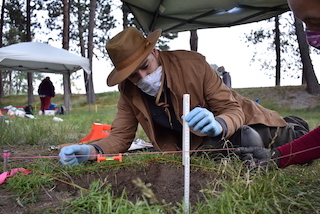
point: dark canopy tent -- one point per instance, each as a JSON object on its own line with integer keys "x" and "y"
{"x": 184, "y": 15}
{"x": 191, "y": 15}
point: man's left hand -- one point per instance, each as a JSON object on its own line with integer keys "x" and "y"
{"x": 203, "y": 120}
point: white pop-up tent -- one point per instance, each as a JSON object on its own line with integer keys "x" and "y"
{"x": 41, "y": 57}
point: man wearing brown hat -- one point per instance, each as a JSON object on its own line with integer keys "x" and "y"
{"x": 152, "y": 84}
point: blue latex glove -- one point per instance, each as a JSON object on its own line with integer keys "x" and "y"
{"x": 68, "y": 154}
{"x": 203, "y": 120}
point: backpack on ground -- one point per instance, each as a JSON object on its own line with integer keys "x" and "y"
{"x": 29, "y": 109}
{"x": 62, "y": 110}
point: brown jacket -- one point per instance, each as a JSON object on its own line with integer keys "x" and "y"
{"x": 186, "y": 73}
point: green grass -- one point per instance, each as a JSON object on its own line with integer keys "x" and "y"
{"x": 295, "y": 189}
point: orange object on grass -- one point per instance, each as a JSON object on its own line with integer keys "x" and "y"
{"x": 98, "y": 131}
{"x": 104, "y": 158}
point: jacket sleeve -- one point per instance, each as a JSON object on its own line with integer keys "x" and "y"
{"x": 122, "y": 132}
{"x": 222, "y": 102}
{"x": 39, "y": 88}
{"x": 301, "y": 150}
{"x": 189, "y": 72}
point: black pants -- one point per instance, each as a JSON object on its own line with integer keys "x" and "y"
{"x": 270, "y": 137}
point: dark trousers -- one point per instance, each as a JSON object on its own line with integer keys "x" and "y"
{"x": 269, "y": 137}
{"x": 45, "y": 103}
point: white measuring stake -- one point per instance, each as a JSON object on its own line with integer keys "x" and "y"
{"x": 186, "y": 150}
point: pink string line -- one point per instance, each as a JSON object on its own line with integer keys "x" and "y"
{"x": 166, "y": 152}
{"x": 138, "y": 153}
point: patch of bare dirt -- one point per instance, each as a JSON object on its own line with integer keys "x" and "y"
{"x": 165, "y": 179}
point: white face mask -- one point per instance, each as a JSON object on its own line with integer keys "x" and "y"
{"x": 150, "y": 84}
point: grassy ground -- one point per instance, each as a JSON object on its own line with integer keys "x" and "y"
{"x": 108, "y": 187}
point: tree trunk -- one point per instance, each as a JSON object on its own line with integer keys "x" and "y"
{"x": 90, "y": 93}
{"x": 1, "y": 87}
{"x": 277, "y": 43}
{"x": 307, "y": 67}
{"x": 30, "y": 88}
{"x": 66, "y": 21}
{"x": 65, "y": 45}
{"x": 1, "y": 44}
{"x": 193, "y": 40}
{"x": 82, "y": 44}
{"x": 67, "y": 94}
{"x": 10, "y": 83}
{"x": 29, "y": 74}
{"x": 125, "y": 13}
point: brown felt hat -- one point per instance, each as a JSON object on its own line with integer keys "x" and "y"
{"x": 127, "y": 50}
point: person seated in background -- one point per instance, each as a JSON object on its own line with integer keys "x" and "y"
{"x": 152, "y": 84}
{"x": 306, "y": 148}
{"x": 46, "y": 91}
{"x": 226, "y": 78}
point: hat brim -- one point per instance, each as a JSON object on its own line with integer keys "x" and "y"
{"x": 115, "y": 77}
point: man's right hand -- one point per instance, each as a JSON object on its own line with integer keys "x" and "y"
{"x": 202, "y": 119}
{"x": 74, "y": 154}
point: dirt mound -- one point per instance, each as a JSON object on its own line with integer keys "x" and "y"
{"x": 166, "y": 181}
{"x": 292, "y": 97}
{"x": 300, "y": 100}
{"x": 164, "y": 178}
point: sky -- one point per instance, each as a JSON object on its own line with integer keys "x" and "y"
{"x": 221, "y": 46}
